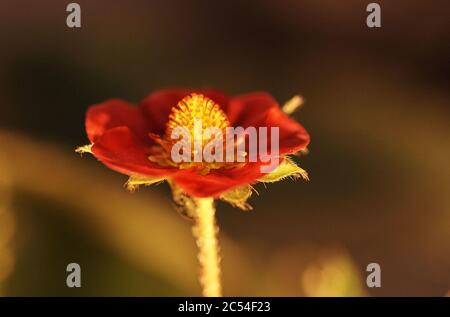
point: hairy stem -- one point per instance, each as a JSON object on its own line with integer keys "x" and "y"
{"x": 205, "y": 232}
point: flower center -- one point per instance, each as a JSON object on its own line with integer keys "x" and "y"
{"x": 196, "y": 108}
{"x": 195, "y": 114}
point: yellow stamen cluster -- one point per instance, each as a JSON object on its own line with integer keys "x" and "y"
{"x": 192, "y": 108}
{"x": 197, "y": 107}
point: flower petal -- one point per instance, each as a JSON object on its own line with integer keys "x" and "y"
{"x": 293, "y": 136}
{"x": 250, "y": 109}
{"x": 121, "y": 150}
{"x": 260, "y": 109}
{"x": 217, "y": 181}
{"x": 114, "y": 113}
{"x": 157, "y": 105}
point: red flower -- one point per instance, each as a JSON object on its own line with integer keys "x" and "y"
{"x": 130, "y": 139}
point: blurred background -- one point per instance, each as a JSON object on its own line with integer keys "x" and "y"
{"x": 377, "y": 109}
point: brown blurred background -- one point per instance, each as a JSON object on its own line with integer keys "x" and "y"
{"x": 377, "y": 108}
